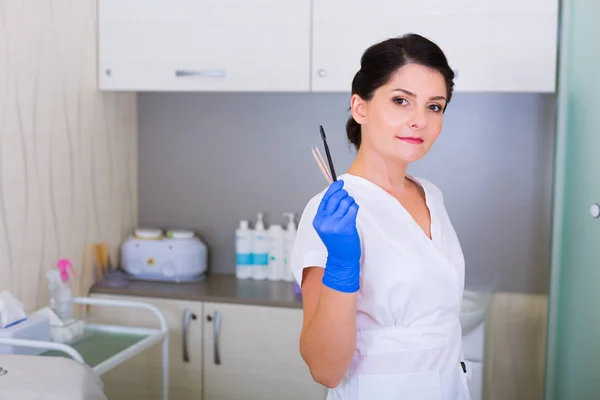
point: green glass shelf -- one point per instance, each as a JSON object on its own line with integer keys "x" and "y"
{"x": 99, "y": 346}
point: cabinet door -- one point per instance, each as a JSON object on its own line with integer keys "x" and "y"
{"x": 574, "y": 316}
{"x": 492, "y": 45}
{"x": 209, "y": 45}
{"x": 252, "y": 352}
{"x": 140, "y": 377}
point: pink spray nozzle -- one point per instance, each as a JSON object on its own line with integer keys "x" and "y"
{"x": 64, "y": 265}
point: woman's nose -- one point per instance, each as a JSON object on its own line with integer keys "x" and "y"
{"x": 417, "y": 120}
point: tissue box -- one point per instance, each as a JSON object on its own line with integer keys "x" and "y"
{"x": 35, "y": 327}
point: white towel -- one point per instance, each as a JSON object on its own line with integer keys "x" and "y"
{"x": 11, "y": 309}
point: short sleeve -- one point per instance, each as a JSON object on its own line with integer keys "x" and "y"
{"x": 308, "y": 249}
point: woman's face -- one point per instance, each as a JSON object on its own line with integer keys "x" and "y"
{"x": 404, "y": 117}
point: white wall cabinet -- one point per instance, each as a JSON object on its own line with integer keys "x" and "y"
{"x": 316, "y": 45}
{"x": 208, "y": 45}
{"x": 493, "y": 46}
{"x": 252, "y": 352}
{"x": 232, "y": 352}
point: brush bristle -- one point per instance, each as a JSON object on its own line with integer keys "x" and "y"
{"x": 322, "y": 132}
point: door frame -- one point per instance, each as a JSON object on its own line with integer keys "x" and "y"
{"x": 559, "y": 186}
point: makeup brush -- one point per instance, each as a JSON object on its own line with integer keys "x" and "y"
{"x": 333, "y": 176}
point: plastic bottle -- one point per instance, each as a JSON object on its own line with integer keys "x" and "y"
{"x": 63, "y": 298}
{"x": 260, "y": 250}
{"x": 288, "y": 243}
{"x": 276, "y": 254}
{"x": 243, "y": 251}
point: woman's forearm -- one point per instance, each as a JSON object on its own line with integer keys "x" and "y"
{"x": 328, "y": 338}
{"x": 328, "y": 341}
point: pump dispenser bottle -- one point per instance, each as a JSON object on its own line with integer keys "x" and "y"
{"x": 288, "y": 243}
{"x": 276, "y": 255}
{"x": 260, "y": 250}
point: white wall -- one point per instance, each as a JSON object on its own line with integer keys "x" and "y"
{"x": 208, "y": 160}
{"x": 68, "y": 154}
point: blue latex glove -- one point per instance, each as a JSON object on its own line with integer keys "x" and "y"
{"x": 335, "y": 223}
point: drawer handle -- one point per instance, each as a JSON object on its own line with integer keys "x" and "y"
{"x": 209, "y": 73}
{"x": 216, "y": 333}
{"x": 188, "y": 315}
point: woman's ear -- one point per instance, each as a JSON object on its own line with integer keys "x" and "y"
{"x": 358, "y": 109}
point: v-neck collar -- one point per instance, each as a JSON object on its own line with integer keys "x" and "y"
{"x": 432, "y": 226}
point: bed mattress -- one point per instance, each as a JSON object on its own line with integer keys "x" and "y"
{"x": 26, "y": 377}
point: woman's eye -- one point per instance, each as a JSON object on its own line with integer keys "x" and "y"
{"x": 435, "y": 107}
{"x": 400, "y": 101}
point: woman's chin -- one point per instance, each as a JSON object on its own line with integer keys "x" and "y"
{"x": 411, "y": 153}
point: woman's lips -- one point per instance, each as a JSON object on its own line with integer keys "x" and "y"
{"x": 412, "y": 140}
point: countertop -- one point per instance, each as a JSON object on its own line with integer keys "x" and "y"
{"x": 213, "y": 288}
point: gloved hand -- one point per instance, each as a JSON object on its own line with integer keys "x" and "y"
{"x": 335, "y": 223}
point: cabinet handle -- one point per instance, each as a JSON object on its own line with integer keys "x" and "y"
{"x": 216, "y": 333}
{"x": 209, "y": 73}
{"x": 188, "y": 315}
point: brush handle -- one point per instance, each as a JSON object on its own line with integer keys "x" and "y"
{"x": 333, "y": 176}
{"x": 331, "y": 169}
{"x": 321, "y": 164}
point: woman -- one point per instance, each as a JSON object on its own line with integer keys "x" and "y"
{"x": 379, "y": 263}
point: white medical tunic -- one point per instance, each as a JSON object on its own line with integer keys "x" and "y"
{"x": 408, "y": 343}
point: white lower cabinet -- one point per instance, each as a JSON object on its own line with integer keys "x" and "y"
{"x": 229, "y": 352}
{"x": 252, "y": 352}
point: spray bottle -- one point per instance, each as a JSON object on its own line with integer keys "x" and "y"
{"x": 61, "y": 297}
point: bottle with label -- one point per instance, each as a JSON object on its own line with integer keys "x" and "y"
{"x": 288, "y": 243}
{"x": 275, "y": 269}
{"x": 243, "y": 251}
{"x": 260, "y": 250}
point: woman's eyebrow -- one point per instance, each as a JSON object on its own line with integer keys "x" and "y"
{"x": 409, "y": 93}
